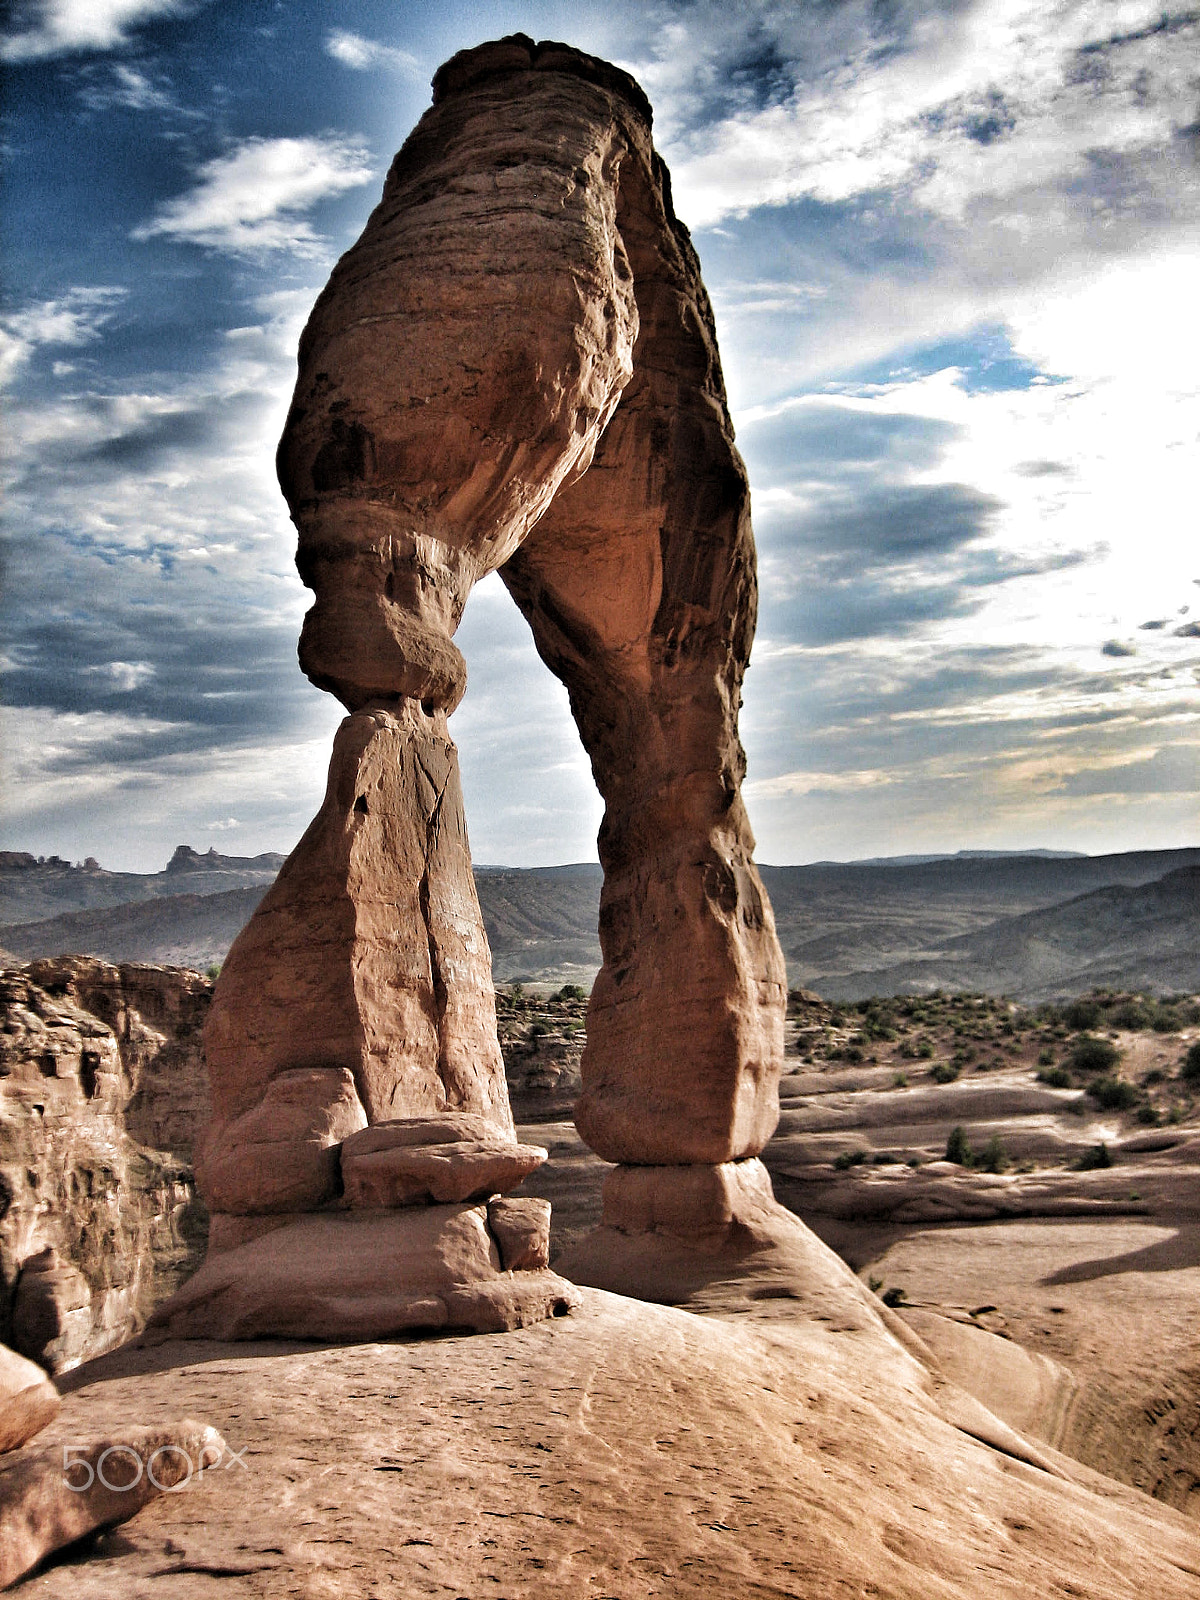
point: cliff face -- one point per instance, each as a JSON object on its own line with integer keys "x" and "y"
{"x": 102, "y": 1093}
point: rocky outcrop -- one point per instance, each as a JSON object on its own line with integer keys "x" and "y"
{"x": 102, "y": 1093}
{"x": 522, "y": 309}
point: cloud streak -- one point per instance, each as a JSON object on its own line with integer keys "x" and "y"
{"x": 249, "y": 201}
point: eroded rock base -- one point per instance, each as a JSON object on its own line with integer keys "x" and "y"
{"x": 364, "y": 1275}
{"x": 710, "y": 1237}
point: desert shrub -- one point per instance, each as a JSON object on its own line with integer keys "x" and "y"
{"x": 958, "y": 1147}
{"x": 571, "y": 991}
{"x": 993, "y": 1157}
{"x": 885, "y": 1159}
{"x": 846, "y": 1052}
{"x": 1113, "y": 1094}
{"x": 1093, "y": 1160}
{"x": 1149, "y": 1116}
{"x": 1045, "y": 1058}
{"x": 900, "y": 1080}
{"x": 1165, "y": 1019}
{"x": 944, "y": 1072}
{"x": 1090, "y": 1054}
{"x": 1157, "y": 1076}
{"x": 538, "y": 1030}
{"x": 1080, "y": 1014}
{"x": 214, "y": 972}
{"x": 1130, "y": 1015}
{"x": 848, "y": 1159}
{"x": 1190, "y": 1071}
{"x": 894, "y": 1297}
{"x": 1056, "y": 1077}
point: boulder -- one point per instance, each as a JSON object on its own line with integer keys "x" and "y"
{"x": 521, "y": 1229}
{"x": 52, "y": 1495}
{"x": 28, "y": 1400}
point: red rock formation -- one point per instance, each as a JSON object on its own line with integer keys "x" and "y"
{"x": 523, "y": 308}
{"x": 102, "y": 1094}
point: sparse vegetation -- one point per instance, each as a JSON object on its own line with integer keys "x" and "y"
{"x": 958, "y": 1147}
{"x": 848, "y": 1159}
{"x": 993, "y": 1157}
{"x": 1093, "y": 1160}
{"x": 944, "y": 1071}
{"x": 1056, "y": 1077}
{"x": 1113, "y": 1094}
{"x": 1091, "y": 1054}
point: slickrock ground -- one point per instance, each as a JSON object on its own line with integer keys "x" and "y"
{"x": 627, "y": 1450}
{"x": 1065, "y": 1296}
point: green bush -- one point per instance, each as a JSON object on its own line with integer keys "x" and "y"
{"x": 1090, "y": 1054}
{"x": 900, "y": 1080}
{"x": 1130, "y": 1015}
{"x": 1093, "y": 1160}
{"x": 894, "y": 1297}
{"x": 571, "y": 991}
{"x": 1190, "y": 1070}
{"x": 1080, "y": 1014}
{"x": 1113, "y": 1094}
{"x": 944, "y": 1072}
{"x": 1165, "y": 1019}
{"x": 958, "y": 1147}
{"x": 848, "y": 1159}
{"x": 1056, "y": 1077}
{"x": 994, "y": 1157}
{"x": 214, "y": 972}
{"x": 1045, "y": 1058}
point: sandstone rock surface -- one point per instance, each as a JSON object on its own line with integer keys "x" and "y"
{"x": 627, "y": 1450}
{"x": 102, "y": 1094}
{"x": 445, "y": 1159}
{"x": 283, "y": 1154}
{"x": 28, "y": 1400}
{"x": 363, "y": 1275}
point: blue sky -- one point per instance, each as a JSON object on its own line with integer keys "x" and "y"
{"x": 953, "y": 251}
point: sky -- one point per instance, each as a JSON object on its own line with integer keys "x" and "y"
{"x": 953, "y": 251}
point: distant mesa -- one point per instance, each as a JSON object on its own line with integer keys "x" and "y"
{"x": 186, "y": 859}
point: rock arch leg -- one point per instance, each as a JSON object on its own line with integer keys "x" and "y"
{"x": 639, "y": 584}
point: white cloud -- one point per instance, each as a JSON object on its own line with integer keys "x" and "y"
{"x": 64, "y": 27}
{"x": 361, "y": 54}
{"x": 72, "y": 319}
{"x": 248, "y": 202}
{"x": 986, "y": 103}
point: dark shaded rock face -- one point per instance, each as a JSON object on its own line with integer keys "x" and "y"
{"x": 102, "y": 1094}
{"x": 514, "y": 368}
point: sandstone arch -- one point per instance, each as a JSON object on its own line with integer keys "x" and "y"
{"x": 515, "y": 367}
